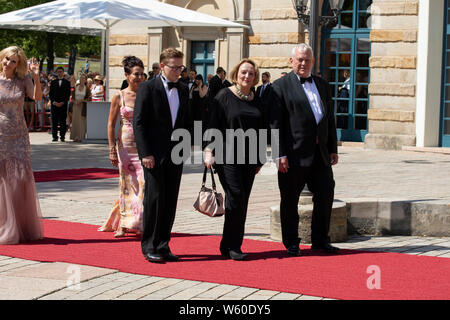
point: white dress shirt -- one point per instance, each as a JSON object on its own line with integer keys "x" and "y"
{"x": 174, "y": 100}
{"x": 314, "y": 99}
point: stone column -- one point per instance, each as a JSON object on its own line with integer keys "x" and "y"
{"x": 155, "y": 45}
{"x": 429, "y": 69}
{"x": 393, "y": 74}
{"x": 121, "y": 45}
{"x": 235, "y": 42}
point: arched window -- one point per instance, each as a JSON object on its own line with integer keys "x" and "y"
{"x": 345, "y": 65}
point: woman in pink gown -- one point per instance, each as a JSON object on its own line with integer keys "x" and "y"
{"x": 126, "y": 214}
{"x": 20, "y": 213}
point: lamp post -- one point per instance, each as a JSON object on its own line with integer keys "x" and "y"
{"x": 311, "y": 20}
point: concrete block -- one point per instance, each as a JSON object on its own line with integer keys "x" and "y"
{"x": 393, "y": 36}
{"x": 430, "y": 218}
{"x": 388, "y": 141}
{"x": 394, "y": 49}
{"x": 392, "y": 89}
{"x": 392, "y": 127}
{"x": 399, "y": 62}
{"x": 338, "y": 223}
{"x": 391, "y": 115}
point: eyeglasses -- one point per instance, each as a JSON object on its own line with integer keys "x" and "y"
{"x": 155, "y": 68}
{"x": 138, "y": 74}
{"x": 176, "y": 68}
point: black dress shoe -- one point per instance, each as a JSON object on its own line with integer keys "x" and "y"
{"x": 169, "y": 256}
{"x": 63, "y": 140}
{"x": 54, "y": 140}
{"x": 237, "y": 255}
{"x": 294, "y": 251}
{"x": 154, "y": 257}
{"x": 328, "y": 248}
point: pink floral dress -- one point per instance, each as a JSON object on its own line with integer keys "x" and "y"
{"x": 128, "y": 209}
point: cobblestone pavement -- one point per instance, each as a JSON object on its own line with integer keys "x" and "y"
{"x": 372, "y": 174}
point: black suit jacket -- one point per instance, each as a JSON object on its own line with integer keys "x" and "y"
{"x": 291, "y": 113}
{"x": 152, "y": 120}
{"x": 215, "y": 85}
{"x": 59, "y": 93}
{"x": 266, "y": 93}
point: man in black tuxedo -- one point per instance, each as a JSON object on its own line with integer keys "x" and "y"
{"x": 59, "y": 96}
{"x": 161, "y": 107}
{"x": 304, "y": 114}
{"x": 217, "y": 82}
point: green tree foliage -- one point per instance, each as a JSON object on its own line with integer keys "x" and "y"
{"x": 35, "y": 43}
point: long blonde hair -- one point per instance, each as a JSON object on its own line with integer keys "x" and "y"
{"x": 22, "y": 67}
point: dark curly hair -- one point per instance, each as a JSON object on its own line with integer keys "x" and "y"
{"x": 129, "y": 62}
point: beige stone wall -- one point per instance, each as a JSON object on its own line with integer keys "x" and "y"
{"x": 393, "y": 65}
{"x": 275, "y": 30}
{"x": 121, "y": 45}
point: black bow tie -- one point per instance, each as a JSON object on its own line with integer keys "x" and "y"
{"x": 173, "y": 85}
{"x": 303, "y": 80}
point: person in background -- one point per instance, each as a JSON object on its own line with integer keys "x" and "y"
{"x": 184, "y": 77}
{"x": 89, "y": 83}
{"x": 80, "y": 97}
{"x": 41, "y": 105}
{"x": 198, "y": 92}
{"x": 216, "y": 82}
{"x": 30, "y": 110}
{"x": 156, "y": 70}
{"x": 97, "y": 89}
{"x": 59, "y": 97}
{"x": 86, "y": 67}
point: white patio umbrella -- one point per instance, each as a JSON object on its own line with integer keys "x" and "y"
{"x": 97, "y": 17}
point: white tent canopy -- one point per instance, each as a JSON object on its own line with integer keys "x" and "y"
{"x": 92, "y": 16}
{"x": 97, "y": 17}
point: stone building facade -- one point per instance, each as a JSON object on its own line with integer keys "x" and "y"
{"x": 390, "y": 54}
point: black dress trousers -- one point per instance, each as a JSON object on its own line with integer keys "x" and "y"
{"x": 237, "y": 182}
{"x": 162, "y": 185}
{"x": 320, "y": 181}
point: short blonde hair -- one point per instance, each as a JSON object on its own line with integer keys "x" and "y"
{"x": 170, "y": 53}
{"x": 22, "y": 67}
{"x": 235, "y": 71}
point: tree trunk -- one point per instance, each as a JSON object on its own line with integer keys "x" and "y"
{"x": 50, "y": 51}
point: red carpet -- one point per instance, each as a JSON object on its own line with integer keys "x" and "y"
{"x": 75, "y": 174}
{"x": 342, "y": 276}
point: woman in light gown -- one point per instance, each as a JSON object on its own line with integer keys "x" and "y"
{"x": 80, "y": 96}
{"x": 20, "y": 213}
{"x": 126, "y": 214}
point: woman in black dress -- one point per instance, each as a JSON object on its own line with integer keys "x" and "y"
{"x": 239, "y": 109}
{"x": 198, "y": 91}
